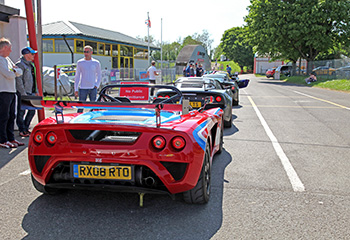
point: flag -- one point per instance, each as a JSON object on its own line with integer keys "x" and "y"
{"x": 148, "y": 23}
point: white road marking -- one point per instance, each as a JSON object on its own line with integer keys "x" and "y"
{"x": 26, "y": 172}
{"x": 322, "y": 100}
{"x": 297, "y": 185}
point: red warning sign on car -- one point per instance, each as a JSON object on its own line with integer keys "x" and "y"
{"x": 135, "y": 93}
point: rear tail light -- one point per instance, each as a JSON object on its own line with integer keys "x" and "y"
{"x": 158, "y": 142}
{"x": 218, "y": 99}
{"x": 211, "y": 99}
{"x": 167, "y": 96}
{"x": 178, "y": 143}
{"x": 233, "y": 87}
{"x": 38, "y": 137}
{"x": 51, "y": 138}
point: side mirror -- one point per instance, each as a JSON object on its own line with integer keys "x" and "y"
{"x": 243, "y": 83}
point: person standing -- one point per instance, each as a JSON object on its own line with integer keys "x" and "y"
{"x": 188, "y": 70}
{"x": 228, "y": 69}
{"x": 26, "y": 86}
{"x": 87, "y": 76}
{"x": 8, "y": 74}
{"x": 200, "y": 71}
{"x": 152, "y": 73}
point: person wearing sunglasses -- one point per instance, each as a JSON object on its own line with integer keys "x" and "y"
{"x": 87, "y": 76}
{"x": 25, "y": 86}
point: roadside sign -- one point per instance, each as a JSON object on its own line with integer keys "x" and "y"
{"x": 135, "y": 93}
{"x": 144, "y": 76}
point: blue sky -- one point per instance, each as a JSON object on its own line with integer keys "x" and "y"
{"x": 180, "y": 18}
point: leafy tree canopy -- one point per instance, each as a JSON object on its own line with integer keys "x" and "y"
{"x": 235, "y": 45}
{"x": 291, "y": 29}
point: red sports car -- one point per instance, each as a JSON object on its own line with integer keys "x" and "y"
{"x": 270, "y": 72}
{"x": 129, "y": 146}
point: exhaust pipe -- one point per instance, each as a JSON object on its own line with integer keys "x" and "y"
{"x": 143, "y": 181}
{"x": 149, "y": 181}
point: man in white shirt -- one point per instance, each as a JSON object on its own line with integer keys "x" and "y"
{"x": 87, "y": 76}
{"x": 152, "y": 73}
{"x": 8, "y": 73}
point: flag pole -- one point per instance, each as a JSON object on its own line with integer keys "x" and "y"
{"x": 161, "y": 43}
{"x": 148, "y": 37}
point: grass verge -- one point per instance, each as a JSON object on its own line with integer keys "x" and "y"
{"x": 322, "y": 82}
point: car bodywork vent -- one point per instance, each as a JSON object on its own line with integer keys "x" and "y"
{"x": 40, "y": 162}
{"x": 105, "y": 136}
{"x": 177, "y": 170}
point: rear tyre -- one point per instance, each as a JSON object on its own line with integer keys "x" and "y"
{"x": 221, "y": 144}
{"x": 235, "y": 103}
{"x": 45, "y": 190}
{"x": 228, "y": 124}
{"x": 201, "y": 192}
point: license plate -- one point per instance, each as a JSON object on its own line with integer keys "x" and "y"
{"x": 196, "y": 104}
{"x": 103, "y": 172}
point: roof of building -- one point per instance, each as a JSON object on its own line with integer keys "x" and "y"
{"x": 185, "y": 53}
{"x": 73, "y": 28}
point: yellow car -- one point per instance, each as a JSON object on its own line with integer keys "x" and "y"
{"x": 324, "y": 70}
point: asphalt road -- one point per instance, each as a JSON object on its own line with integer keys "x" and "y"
{"x": 283, "y": 174}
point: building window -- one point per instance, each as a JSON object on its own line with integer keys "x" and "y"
{"x": 93, "y": 45}
{"x": 126, "y": 51}
{"x": 108, "y": 50}
{"x": 140, "y": 53}
{"x": 101, "y": 48}
{"x": 47, "y": 45}
{"x": 79, "y": 46}
{"x": 114, "y": 50}
{"x": 61, "y": 46}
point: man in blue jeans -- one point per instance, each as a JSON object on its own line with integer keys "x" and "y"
{"x": 26, "y": 86}
{"x": 87, "y": 76}
{"x": 8, "y": 73}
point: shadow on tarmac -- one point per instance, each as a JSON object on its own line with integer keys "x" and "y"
{"x": 107, "y": 215}
{"x": 8, "y": 154}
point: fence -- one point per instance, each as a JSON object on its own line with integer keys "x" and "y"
{"x": 333, "y": 69}
{"x": 122, "y": 74}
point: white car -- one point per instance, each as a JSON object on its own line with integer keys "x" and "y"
{"x": 49, "y": 82}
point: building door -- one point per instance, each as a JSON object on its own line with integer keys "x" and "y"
{"x": 127, "y": 67}
{"x": 115, "y": 62}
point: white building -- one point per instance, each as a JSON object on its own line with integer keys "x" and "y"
{"x": 63, "y": 43}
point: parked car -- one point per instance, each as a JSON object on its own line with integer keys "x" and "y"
{"x": 270, "y": 72}
{"x": 343, "y": 72}
{"x": 284, "y": 70}
{"x": 324, "y": 70}
{"x": 224, "y": 79}
{"x": 66, "y": 84}
{"x": 198, "y": 89}
{"x": 127, "y": 146}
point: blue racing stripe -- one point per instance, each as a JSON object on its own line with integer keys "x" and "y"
{"x": 197, "y": 134}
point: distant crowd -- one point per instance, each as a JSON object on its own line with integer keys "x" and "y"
{"x": 193, "y": 70}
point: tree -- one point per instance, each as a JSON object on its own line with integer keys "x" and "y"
{"x": 205, "y": 40}
{"x": 298, "y": 28}
{"x": 190, "y": 41}
{"x": 235, "y": 45}
{"x": 145, "y": 39}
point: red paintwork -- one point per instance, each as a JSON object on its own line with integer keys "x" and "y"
{"x": 140, "y": 153}
{"x": 270, "y": 73}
